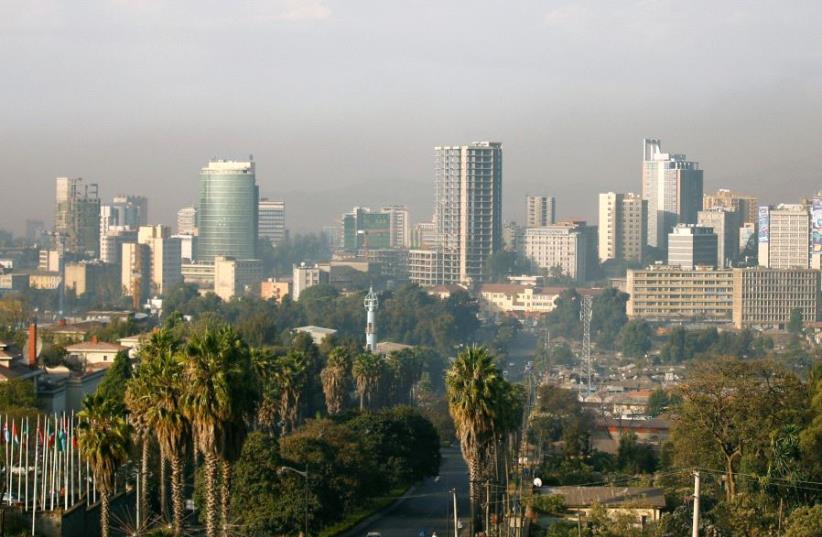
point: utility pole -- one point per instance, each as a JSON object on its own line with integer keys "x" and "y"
{"x": 456, "y": 518}
{"x": 487, "y": 506}
{"x": 695, "y": 530}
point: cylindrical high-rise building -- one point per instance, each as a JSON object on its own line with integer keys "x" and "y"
{"x": 228, "y": 211}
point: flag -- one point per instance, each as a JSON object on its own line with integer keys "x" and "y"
{"x": 6, "y": 432}
{"x": 62, "y": 441}
{"x": 14, "y": 435}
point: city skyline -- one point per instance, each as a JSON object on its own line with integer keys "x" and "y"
{"x": 544, "y": 62}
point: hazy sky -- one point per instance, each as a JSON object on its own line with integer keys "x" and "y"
{"x": 342, "y": 101}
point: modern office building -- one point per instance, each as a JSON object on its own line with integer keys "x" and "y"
{"x": 237, "y": 277}
{"x": 165, "y": 257}
{"x": 765, "y": 297}
{"x": 363, "y": 229}
{"x": 305, "y": 276}
{"x": 77, "y": 216}
{"x": 784, "y": 236}
{"x": 468, "y": 207}
{"x": 692, "y": 246}
{"x": 665, "y": 293}
{"x": 622, "y": 226}
{"x": 399, "y": 225}
{"x": 135, "y": 272}
{"x": 227, "y": 214}
{"x": 672, "y": 185}
{"x": 540, "y": 211}
{"x": 271, "y": 221}
{"x": 725, "y": 224}
{"x": 744, "y": 205}
{"x": 568, "y": 246}
{"x": 187, "y": 221}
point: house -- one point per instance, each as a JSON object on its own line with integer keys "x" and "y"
{"x": 643, "y": 504}
{"x": 607, "y": 432}
{"x": 317, "y": 333}
{"x": 13, "y": 366}
{"x": 94, "y": 352}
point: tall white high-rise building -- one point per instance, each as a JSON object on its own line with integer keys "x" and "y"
{"x": 468, "y": 207}
{"x": 271, "y": 221}
{"x": 622, "y": 226}
{"x": 725, "y": 223}
{"x": 672, "y": 185}
{"x": 187, "y": 221}
{"x": 399, "y": 226}
{"x": 166, "y": 269}
{"x": 785, "y": 236}
{"x": 540, "y": 210}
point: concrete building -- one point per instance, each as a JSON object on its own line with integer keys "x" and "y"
{"x": 200, "y": 274}
{"x": 691, "y": 246}
{"x": 165, "y": 257}
{"x": 94, "y": 352}
{"x": 566, "y": 245}
{"x": 111, "y": 243}
{"x": 237, "y": 277}
{"x": 765, "y": 297}
{"x": 49, "y": 261}
{"x": 747, "y": 239}
{"x": 672, "y": 186}
{"x": 424, "y": 235}
{"x": 45, "y": 280}
{"x": 399, "y": 225}
{"x": 364, "y": 229}
{"x": 744, "y": 205}
{"x": 77, "y": 216}
{"x": 227, "y": 214}
{"x": 135, "y": 272}
{"x": 540, "y": 211}
{"x": 468, "y": 206}
{"x": 187, "y": 221}
{"x": 81, "y": 277}
{"x": 432, "y": 267}
{"x": 13, "y": 282}
{"x": 188, "y": 247}
{"x": 123, "y": 215}
{"x": 305, "y": 276}
{"x": 664, "y": 293}
{"x": 271, "y": 221}
{"x": 272, "y": 289}
{"x": 521, "y": 300}
{"x": 784, "y": 236}
{"x": 622, "y": 226}
{"x": 725, "y": 224}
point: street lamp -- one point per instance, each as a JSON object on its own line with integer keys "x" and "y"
{"x": 304, "y": 475}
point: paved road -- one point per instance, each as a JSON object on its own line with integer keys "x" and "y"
{"x": 426, "y": 509}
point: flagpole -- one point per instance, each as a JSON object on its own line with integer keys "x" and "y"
{"x": 26, "y": 490}
{"x": 10, "y": 466}
{"x": 45, "y": 472}
{"x": 20, "y": 476}
{"x": 34, "y": 498}
{"x": 54, "y": 467}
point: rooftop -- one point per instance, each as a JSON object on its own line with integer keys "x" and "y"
{"x": 608, "y": 496}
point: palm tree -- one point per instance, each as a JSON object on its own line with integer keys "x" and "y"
{"x": 103, "y": 438}
{"x": 473, "y": 390}
{"x": 155, "y": 392}
{"x": 336, "y": 380}
{"x": 265, "y": 367}
{"x": 367, "y": 371}
{"x": 290, "y": 375}
{"x": 218, "y": 394}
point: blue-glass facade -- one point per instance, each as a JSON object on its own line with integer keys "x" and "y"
{"x": 228, "y": 211}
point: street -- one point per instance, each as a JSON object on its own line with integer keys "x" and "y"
{"x": 429, "y": 507}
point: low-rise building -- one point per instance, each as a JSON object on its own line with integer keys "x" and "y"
{"x": 664, "y": 293}
{"x": 317, "y": 333}
{"x": 94, "y": 352}
{"x": 765, "y": 297}
{"x": 273, "y": 289}
{"x": 305, "y": 276}
{"x": 522, "y": 300}
{"x": 643, "y": 504}
{"x": 237, "y": 277}
{"x": 14, "y": 282}
{"x": 81, "y": 277}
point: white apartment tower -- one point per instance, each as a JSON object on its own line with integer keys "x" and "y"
{"x": 187, "y": 221}
{"x": 468, "y": 207}
{"x": 785, "y": 236}
{"x": 672, "y": 186}
{"x": 399, "y": 226}
{"x": 540, "y": 210}
{"x": 166, "y": 268}
{"x": 565, "y": 245}
{"x": 622, "y": 226}
{"x": 271, "y": 221}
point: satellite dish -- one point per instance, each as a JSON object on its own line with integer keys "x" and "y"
{"x": 537, "y": 482}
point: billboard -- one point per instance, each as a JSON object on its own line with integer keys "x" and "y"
{"x": 816, "y": 226}
{"x": 764, "y": 220}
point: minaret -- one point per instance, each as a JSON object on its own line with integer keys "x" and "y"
{"x": 371, "y": 302}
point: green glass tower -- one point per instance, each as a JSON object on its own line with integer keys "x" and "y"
{"x": 227, "y": 216}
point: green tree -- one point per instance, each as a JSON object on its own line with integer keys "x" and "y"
{"x": 336, "y": 380}
{"x": 504, "y": 263}
{"x": 795, "y": 322}
{"x": 658, "y": 402}
{"x": 608, "y": 316}
{"x": 367, "y": 371}
{"x": 17, "y": 395}
{"x": 635, "y": 339}
{"x": 633, "y": 457}
{"x": 113, "y": 385}
{"x": 103, "y": 439}
{"x": 290, "y": 375}
{"x": 805, "y": 522}
{"x": 564, "y": 318}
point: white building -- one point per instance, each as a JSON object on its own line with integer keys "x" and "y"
{"x": 540, "y": 211}
{"x": 271, "y": 221}
{"x": 135, "y": 270}
{"x": 672, "y": 186}
{"x": 622, "y": 226}
{"x": 400, "y": 225}
{"x": 237, "y": 277}
{"x": 565, "y": 245}
{"x": 187, "y": 221}
{"x": 785, "y": 236}
{"x": 305, "y": 276}
{"x": 165, "y": 257}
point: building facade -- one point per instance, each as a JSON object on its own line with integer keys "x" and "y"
{"x": 540, "y": 211}
{"x": 77, "y": 216}
{"x": 565, "y": 245}
{"x": 744, "y": 205}
{"x": 672, "y": 185}
{"x": 692, "y": 246}
{"x": 364, "y": 229}
{"x": 304, "y": 276}
{"x": 622, "y": 226}
{"x": 784, "y": 236}
{"x": 399, "y": 225}
{"x": 725, "y": 224}
{"x": 166, "y": 259}
{"x": 765, "y": 297}
{"x": 664, "y": 293}
{"x": 271, "y": 221}
{"x": 237, "y": 277}
{"x": 187, "y": 221}
{"x": 135, "y": 272}
{"x": 227, "y": 215}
